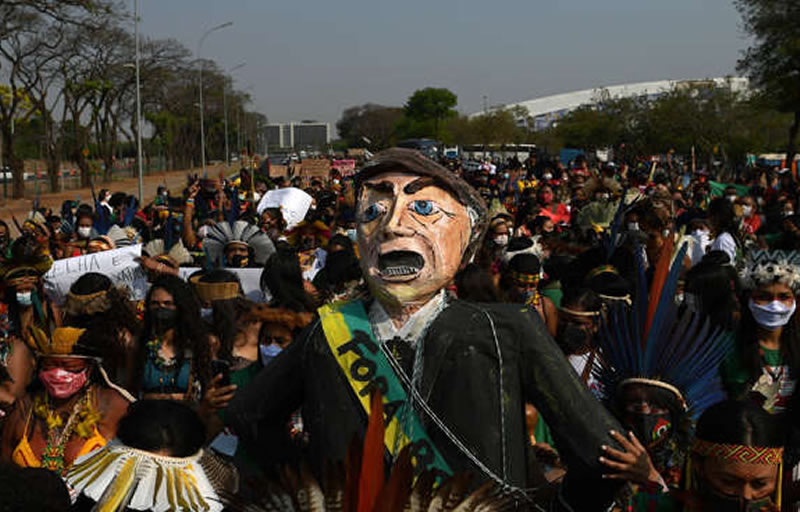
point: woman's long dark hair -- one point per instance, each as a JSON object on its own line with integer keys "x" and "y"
{"x": 226, "y": 313}
{"x": 120, "y": 314}
{"x": 475, "y": 285}
{"x": 722, "y": 218}
{"x": 162, "y": 426}
{"x": 190, "y": 332}
{"x": 284, "y": 280}
{"x": 740, "y": 422}
{"x": 717, "y": 290}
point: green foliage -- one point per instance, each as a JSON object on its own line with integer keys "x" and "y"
{"x": 374, "y": 122}
{"x": 426, "y": 109}
{"x": 773, "y": 61}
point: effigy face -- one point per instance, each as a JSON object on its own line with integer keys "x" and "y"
{"x": 412, "y": 235}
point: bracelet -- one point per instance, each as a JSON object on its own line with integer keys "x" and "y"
{"x": 190, "y": 201}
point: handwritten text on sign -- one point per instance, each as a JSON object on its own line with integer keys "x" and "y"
{"x": 118, "y": 264}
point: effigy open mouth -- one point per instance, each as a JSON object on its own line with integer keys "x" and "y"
{"x": 400, "y": 265}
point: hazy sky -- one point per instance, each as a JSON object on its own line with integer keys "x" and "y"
{"x": 313, "y": 59}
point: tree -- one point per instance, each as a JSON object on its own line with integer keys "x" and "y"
{"x": 773, "y": 62}
{"x": 431, "y": 105}
{"x": 373, "y": 122}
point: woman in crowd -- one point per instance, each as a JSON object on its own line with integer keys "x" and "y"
{"x": 724, "y": 229}
{"x": 766, "y": 363}
{"x": 94, "y": 302}
{"x": 283, "y": 280}
{"x": 174, "y": 355}
{"x": 520, "y": 281}
{"x": 736, "y": 460}
{"x": 72, "y": 408}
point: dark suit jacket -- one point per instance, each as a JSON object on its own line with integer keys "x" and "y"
{"x": 462, "y": 371}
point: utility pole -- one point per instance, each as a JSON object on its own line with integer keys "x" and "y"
{"x": 138, "y": 107}
{"x": 202, "y": 120}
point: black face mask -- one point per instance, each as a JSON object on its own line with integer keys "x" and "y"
{"x": 573, "y": 338}
{"x": 712, "y": 500}
{"x": 650, "y": 429}
{"x": 164, "y": 319}
{"x": 240, "y": 261}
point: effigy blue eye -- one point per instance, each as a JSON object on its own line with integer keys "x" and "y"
{"x": 423, "y": 207}
{"x": 371, "y": 213}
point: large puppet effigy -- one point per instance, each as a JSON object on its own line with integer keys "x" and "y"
{"x": 454, "y": 375}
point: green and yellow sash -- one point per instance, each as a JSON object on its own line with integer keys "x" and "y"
{"x": 366, "y": 369}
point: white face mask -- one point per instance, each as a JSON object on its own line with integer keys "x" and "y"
{"x": 84, "y": 232}
{"x": 351, "y": 234}
{"x": 731, "y": 198}
{"x": 256, "y": 197}
{"x": 547, "y": 176}
{"x": 747, "y": 210}
{"x": 24, "y": 298}
{"x": 773, "y": 315}
{"x": 206, "y": 313}
{"x": 633, "y": 226}
{"x": 788, "y": 213}
{"x": 501, "y": 240}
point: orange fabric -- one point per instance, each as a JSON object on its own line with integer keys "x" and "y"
{"x": 23, "y": 455}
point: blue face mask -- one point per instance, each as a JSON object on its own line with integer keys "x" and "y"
{"x": 207, "y": 313}
{"x": 25, "y": 298}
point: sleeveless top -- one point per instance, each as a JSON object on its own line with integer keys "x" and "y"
{"x": 24, "y": 457}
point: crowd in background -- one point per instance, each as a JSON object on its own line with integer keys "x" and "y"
{"x": 574, "y": 241}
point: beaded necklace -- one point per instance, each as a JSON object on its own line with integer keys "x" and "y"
{"x": 82, "y": 418}
{"x": 167, "y": 368}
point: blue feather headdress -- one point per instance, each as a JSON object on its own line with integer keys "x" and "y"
{"x": 653, "y": 342}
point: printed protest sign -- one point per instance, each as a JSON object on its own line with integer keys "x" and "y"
{"x": 118, "y": 264}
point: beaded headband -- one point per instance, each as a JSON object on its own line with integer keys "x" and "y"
{"x": 739, "y": 453}
{"x": 524, "y": 278}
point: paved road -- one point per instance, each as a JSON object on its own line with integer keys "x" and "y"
{"x": 175, "y": 181}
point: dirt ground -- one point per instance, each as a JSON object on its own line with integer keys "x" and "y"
{"x": 175, "y": 181}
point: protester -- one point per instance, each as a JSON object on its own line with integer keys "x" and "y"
{"x": 253, "y": 300}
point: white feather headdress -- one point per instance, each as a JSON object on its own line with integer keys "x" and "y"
{"x": 222, "y": 234}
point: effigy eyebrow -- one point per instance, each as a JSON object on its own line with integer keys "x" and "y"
{"x": 382, "y": 186}
{"x": 418, "y": 184}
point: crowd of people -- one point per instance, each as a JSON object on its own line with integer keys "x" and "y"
{"x": 580, "y": 336}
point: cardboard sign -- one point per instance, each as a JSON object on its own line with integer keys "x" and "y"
{"x": 293, "y": 203}
{"x": 315, "y": 168}
{"x": 117, "y": 264}
{"x": 345, "y": 167}
{"x": 278, "y": 171}
{"x": 356, "y": 152}
{"x": 249, "y": 277}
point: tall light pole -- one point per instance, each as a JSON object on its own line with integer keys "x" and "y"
{"x": 138, "y": 106}
{"x": 225, "y": 109}
{"x": 202, "y": 120}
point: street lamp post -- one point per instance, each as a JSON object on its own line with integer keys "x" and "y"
{"x": 225, "y": 109}
{"x": 202, "y": 120}
{"x": 138, "y": 107}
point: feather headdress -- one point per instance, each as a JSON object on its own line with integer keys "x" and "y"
{"x": 652, "y": 343}
{"x": 118, "y": 477}
{"x": 174, "y": 256}
{"x": 359, "y": 485}
{"x": 770, "y": 269}
{"x": 223, "y": 234}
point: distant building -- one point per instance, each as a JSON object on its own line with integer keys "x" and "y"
{"x": 543, "y": 112}
{"x": 303, "y": 135}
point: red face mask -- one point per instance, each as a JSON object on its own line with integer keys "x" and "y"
{"x": 62, "y": 384}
